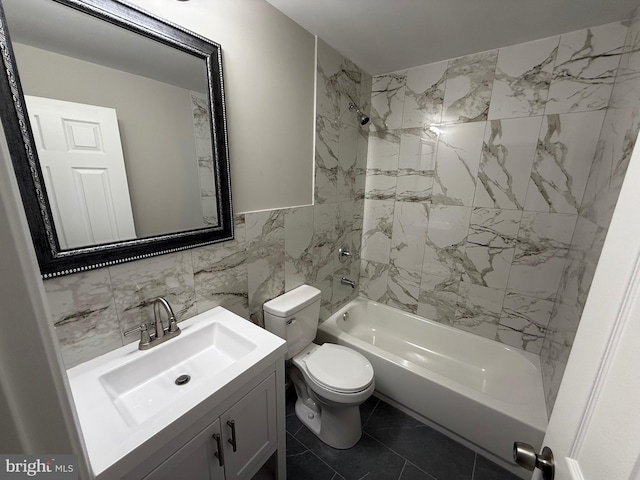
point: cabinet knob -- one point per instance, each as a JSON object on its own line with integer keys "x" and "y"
{"x": 232, "y": 441}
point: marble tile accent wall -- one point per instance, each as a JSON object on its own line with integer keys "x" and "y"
{"x": 273, "y": 251}
{"x": 592, "y": 81}
{"x": 490, "y": 182}
{"x": 202, "y": 133}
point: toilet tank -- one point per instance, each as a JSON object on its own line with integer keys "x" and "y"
{"x": 294, "y": 317}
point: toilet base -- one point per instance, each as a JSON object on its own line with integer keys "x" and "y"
{"x": 339, "y": 428}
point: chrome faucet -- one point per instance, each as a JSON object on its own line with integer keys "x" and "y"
{"x": 173, "y": 325}
{"x": 148, "y": 340}
{"x": 346, "y": 281}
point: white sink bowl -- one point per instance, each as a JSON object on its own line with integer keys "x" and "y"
{"x": 146, "y": 385}
{"x": 125, "y": 398}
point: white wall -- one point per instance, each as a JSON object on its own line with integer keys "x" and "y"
{"x": 269, "y": 73}
{"x": 156, "y": 129}
{"x": 34, "y": 393}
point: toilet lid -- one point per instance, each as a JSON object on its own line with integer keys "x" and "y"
{"x": 339, "y": 368}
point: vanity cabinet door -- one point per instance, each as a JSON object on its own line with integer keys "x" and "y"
{"x": 194, "y": 461}
{"x": 252, "y": 424}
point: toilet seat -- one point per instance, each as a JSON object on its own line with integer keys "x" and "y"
{"x": 339, "y": 369}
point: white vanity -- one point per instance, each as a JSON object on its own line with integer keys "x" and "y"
{"x": 208, "y": 403}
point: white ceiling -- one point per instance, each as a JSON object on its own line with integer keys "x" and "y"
{"x": 383, "y": 36}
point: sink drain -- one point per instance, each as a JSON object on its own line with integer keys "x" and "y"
{"x": 183, "y": 379}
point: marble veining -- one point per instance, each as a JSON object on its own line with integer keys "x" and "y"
{"x": 508, "y": 153}
{"x": 382, "y": 165}
{"x": 220, "y": 273}
{"x": 348, "y": 168}
{"x": 326, "y": 156}
{"x": 349, "y": 80}
{"x": 374, "y": 280}
{"x": 523, "y": 322}
{"x": 542, "y": 244}
{"x": 424, "y": 95}
{"x": 403, "y": 288}
{"x": 324, "y": 252}
{"x": 565, "y": 152}
{"x": 298, "y": 241}
{"x": 586, "y": 68}
{"x": 468, "y": 87}
{"x": 457, "y": 162}
{"x": 554, "y": 358}
{"x": 579, "y": 269}
{"x": 613, "y": 153}
{"x": 200, "y": 109}
{"x": 266, "y": 255}
{"x": 136, "y": 285}
{"x": 84, "y": 315}
{"x": 361, "y": 166}
{"x": 522, "y": 79}
{"x": 416, "y": 165}
{"x": 409, "y": 235}
{"x": 376, "y": 230}
{"x": 204, "y": 154}
{"x": 328, "y": 70}
{"x": 438, "y": 300}
{"x": 479, "y": 309}
{"x": 387, "y": 101}
{"x": 490, "y": 246}
{"x": 446, "y": 237}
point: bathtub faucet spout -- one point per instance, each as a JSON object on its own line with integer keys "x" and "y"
{"x": 346, "y": 281}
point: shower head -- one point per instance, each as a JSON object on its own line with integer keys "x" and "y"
{"x": 362, "y": 118}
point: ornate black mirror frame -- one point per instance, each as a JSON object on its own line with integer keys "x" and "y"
{"x": 52, "y": 259}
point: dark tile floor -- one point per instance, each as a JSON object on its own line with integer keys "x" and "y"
{"x": 394, "y": 446}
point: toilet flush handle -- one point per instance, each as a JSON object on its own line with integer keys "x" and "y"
{"x": 291, "y": 320}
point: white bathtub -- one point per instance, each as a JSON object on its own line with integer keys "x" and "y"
{"x": 485, "y": 392}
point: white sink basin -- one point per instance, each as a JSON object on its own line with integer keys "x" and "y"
{"x": 146, "y": 384}
{"x": 127, "y": 400}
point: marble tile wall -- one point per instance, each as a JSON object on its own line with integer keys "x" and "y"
{"x": 490, "y": 182}
{"x": 613, "y": 151}
{"x": 273, "y": 251}
{"x": 202, "y": 133}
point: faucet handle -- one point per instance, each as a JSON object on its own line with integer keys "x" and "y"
{"x": 173, "y": 325}
{"x": 145, "y": 338}
{"x": 343, "y": 253}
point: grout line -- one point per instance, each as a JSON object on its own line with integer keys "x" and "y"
{"x": 413, "y": 464}
{"x": 371, "y": 414}
{"x": 473, "y": 471}
{"x": 402, "y": 471}
{"x": 407, "y": 462}
{"x": 310, "y": 449}
{"x": 335, "y": 472}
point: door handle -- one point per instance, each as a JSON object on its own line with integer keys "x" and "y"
{"x": 525, "y": 456}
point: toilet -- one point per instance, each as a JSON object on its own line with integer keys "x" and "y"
{"x": 331, "y": 381}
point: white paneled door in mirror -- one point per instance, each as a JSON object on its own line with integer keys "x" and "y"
{"x": 84, "y": 171}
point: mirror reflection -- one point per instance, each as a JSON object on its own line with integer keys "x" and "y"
{"x": 120, "y": 123}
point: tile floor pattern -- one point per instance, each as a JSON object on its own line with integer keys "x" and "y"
{"x": 394, "y": 446}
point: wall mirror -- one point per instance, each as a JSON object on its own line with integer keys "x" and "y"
{"x": 116, "y": 125}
